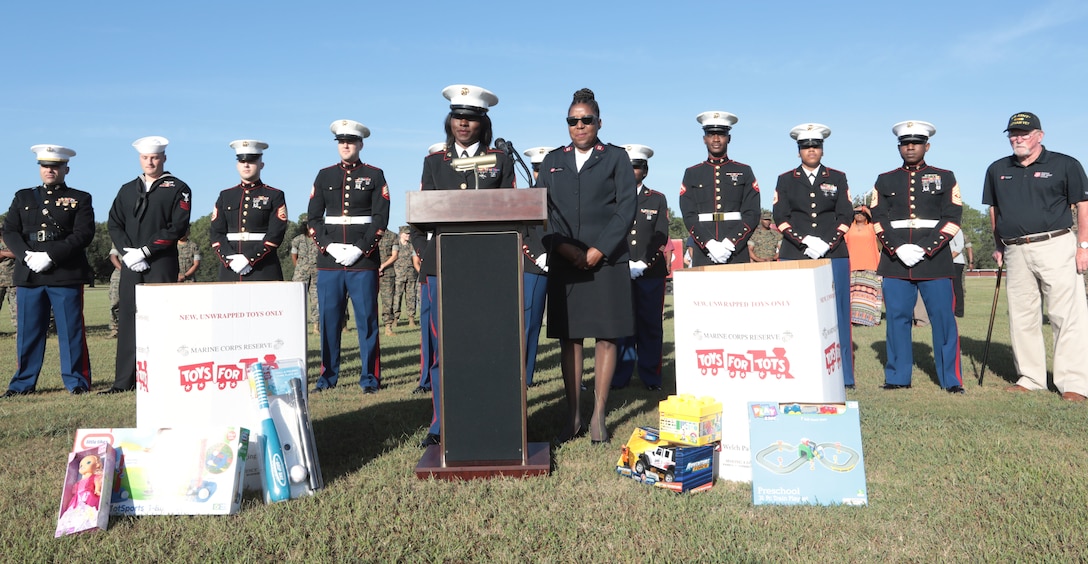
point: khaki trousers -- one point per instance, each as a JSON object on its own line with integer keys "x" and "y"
{"x": 1048, "y": 270}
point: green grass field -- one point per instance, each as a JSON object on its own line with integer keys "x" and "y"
{"x": 989, "y": 476}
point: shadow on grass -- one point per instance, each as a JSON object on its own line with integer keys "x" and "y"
{"x": 348, "y": 441}
{"x": 999, "y": 360}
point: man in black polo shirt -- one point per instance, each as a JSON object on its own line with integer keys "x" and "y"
{"x": 1030, "y": 193}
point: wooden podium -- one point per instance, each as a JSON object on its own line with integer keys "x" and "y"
{"x": 481, "y": 331}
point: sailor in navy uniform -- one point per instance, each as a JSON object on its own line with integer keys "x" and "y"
{"x": 249, "y": 221}
{"x": 813, "y": 211}
{"x": 535, "y": 278}
{"x": 647, "y": 239}
{"x": 148, "y": 217}
{"x": 348, "y": 213}
{"x": 468, "y": 134}
{"x": 916, "y": 211}
{"x": 48, "y": 228}
{"x": 719, "y": 198}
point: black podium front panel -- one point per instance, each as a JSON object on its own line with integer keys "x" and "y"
{"x": 481, "y": 346}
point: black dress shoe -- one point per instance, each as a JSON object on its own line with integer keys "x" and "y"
{"x": 849, "y": 386}
{"x": 13, "y": 393}
{"x": 421, "y": 390}
{"x": 318, "y": 390}
{"x": 583, "y": 386}
{"x": 370, "y": 389}
{"x": 895, "y": 387}
{"x": 78, "y": 390}
{"x": 653, "y": 387}
{"x": 430, "y": 439}
{"x": 956, "y": 390}
{"x": 112, "y": 391}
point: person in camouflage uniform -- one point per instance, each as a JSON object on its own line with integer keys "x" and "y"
{"x": 387, "y": 279}
{"x": 407, "y": 285}
{"x": 115, "y": 291}
{"x": 188, "y": 259}
{"x": 7, "y": 285}
{"x": 764, "y": 243}
{"x": 304, "y": 257}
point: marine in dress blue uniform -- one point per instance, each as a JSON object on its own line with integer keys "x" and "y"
{"x": 348, "y": 213}
{"x": 916, "y": 211}
{"x": 647, "y": 239}
{"x": 428, "y": 351}
{"x": 813, "y": 211}
{"x": 147, "y": 219}
{"x": 535, "y": 277}
{"x": 468, "y": 134}
{"x": 249, "y": 221}
{"x": 48, "y": 228}
{"x": 719, "y": 198}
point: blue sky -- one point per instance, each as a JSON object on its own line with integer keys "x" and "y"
{"x": 96, "y": 76}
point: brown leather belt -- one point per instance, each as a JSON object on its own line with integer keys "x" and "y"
{"x": 1035, "y": 238}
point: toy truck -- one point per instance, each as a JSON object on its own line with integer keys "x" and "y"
{"x": 651, "y": 460}
{"x": 660, "y": 460}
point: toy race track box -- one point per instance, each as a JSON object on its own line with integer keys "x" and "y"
{"x": 688, "y": 420}
{"x": 183, "y": 471}
{"x": 650, "y": 460}
{"x": 85, "y": 499}
{"x": 806, "y": 454}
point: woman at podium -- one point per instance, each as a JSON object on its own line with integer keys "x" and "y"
{"x": 468, "y": 137}
{"x": 591, "y": 206}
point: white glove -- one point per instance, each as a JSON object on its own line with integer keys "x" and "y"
{"x": 336, "y": 250}
{"x": 815, "y": 247}
{"x": 729, "y": 245}
{"x": 910, "y": 254}
{"x": 38, "y": 261}
{"x": 239, "y": 264}
{"x": 638, "y": 268}
{"x": 135, "y": 259}
{"x": 719, "y": 253}
{"x": 349, "y": 255}
{"x": 542, "y": 262}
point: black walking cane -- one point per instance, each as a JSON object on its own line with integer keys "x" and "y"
{"x": 990, "y": 331}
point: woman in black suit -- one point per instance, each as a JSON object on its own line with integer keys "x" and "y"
{"x": 591, "y": 206}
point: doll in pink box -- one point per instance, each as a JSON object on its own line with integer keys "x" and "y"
{"x": 81, "y": 512}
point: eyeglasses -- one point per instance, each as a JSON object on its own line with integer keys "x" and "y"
{"x": 586, "y": 120}
{"x": 1021, "y": 135}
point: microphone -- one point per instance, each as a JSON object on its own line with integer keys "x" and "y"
{"x": 505, "y": 147}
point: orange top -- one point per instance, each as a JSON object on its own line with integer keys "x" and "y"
{"x": 863, "y": 246}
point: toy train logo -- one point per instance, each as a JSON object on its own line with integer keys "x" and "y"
{"x": 757, "y": 363}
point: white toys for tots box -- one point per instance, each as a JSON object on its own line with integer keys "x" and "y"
{"x": 193, "y": 345}
{"x": 756, "y": 332}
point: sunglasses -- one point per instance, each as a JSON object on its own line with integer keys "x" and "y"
{"x": 586, "y": 120}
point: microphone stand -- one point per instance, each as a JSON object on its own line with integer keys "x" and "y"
{"x": 508, "y": 148}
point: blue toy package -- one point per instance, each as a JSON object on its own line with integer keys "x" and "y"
{"x": 806, "y": 454}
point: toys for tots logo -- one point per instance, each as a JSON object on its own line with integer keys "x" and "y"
{"x": 752, "y": 363}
